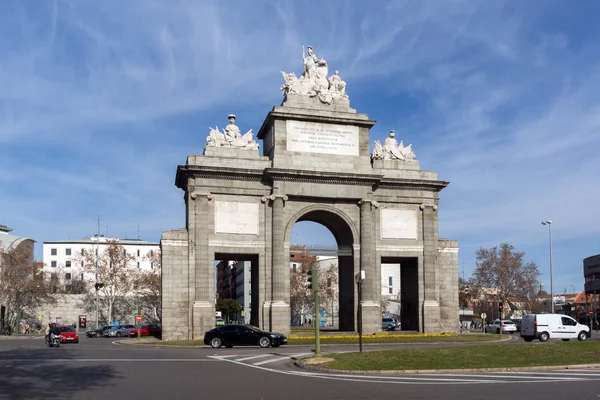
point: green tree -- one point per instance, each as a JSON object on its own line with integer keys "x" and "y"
{"x": 229, "y": 307}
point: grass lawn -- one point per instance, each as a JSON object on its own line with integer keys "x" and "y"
{"x": 306, "y": 341}
{"x": 502, "y": 356}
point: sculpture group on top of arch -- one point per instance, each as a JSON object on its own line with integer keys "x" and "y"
{"x": 391, "y": 150}
{"x": 314, "y": 81}
{"x": 231, "y": 137}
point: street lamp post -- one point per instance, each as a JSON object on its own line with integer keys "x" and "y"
{"x": 549, "y": 223}
{"x": 96, "y": 281}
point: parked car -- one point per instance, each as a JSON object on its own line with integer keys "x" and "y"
{"x": 219, "y": 322}
{"x": 390, "y": 324}
{"x": 97, "y": 332}
{"x": 68, "y": 334}
{"x": 550, "y": 326}
{"x": 118, "y": 331}
{"x": 242, "y": 335}
{"x": 507, "y": 326}
{"x": 147, "y": 330}
{"x": 518, "y": 325}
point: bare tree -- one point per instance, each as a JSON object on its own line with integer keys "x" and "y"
{"x": 464, "y": 293}
{"x": 22, "y": 290}
{"x": 61, "y": 280}
{"x": 115, "y": 274}
{"x": 149, "y": 290}
{"x": 301, "y": 299}
{"x": 502, "y": 272}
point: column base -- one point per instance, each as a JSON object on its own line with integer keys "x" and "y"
{"x": 280, "y": 317}
{"x": 371, "y": 317}
{"x": 431, "y": 316}
{"x": 203, "y": 318}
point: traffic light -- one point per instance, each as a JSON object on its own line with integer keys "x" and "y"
{"x": 500, "y": 309}
{"x": 309, "y": 277}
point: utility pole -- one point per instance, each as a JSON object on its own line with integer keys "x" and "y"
{"x": 96, "y": 282}
{"x": 313, "y": 283}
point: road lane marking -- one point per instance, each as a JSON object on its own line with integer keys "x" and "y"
{"x": 74, "y": 360}
{"x": 281, "y": 359}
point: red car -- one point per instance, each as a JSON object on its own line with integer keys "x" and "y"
{"x": 68, "y": 334}
{"x": 147, "y": 330}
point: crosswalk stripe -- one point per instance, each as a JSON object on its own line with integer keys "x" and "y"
{"x": 253, "y": 357}
{"x": 281, "y": 359}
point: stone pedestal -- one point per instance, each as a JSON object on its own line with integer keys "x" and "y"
{"x": 280, "y": 317}
{"x": 371, "y": 317}
{"x": 204, "y": 318}
{"x": 431, "y": 316}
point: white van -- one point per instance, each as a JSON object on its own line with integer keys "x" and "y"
{"x": 552, "y": 326}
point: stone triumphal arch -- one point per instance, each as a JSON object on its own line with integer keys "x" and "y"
{"x": 316, "y": 166}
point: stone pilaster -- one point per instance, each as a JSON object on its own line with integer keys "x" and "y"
{"x": 280, "y": 305}
{"x": 431, "y": 305}
{"x": 204, "y": 301}
{"x": 371, "y": 288}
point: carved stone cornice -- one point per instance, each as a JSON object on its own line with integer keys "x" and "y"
{"x": 410, "y": 184}
{"x": 328, "y": 178}
{"x": 422, "y": 206}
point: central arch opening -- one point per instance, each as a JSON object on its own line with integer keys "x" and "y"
{"x": 322, "y": 239}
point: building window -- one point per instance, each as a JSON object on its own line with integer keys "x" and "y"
{"x": 138, "y": 253}
{"x": 390, "y": 290}
{"x": 68, "y": 264}
{"x": 52, "y": 252}
{"x": 81, "y": 276}
{"x": 151, "y": 265}
{"x": 83, "y": 252}
{"x": 82, "y": 264}
{"x": 67, "y": 252}
{"x": 138, "y": 264}
{"x": 68, "y": 276}
{"x": 53, "y": 264}
{"x": 390, "y": 281}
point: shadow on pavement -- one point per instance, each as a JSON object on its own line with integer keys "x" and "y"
{"x": 48, "y": 372}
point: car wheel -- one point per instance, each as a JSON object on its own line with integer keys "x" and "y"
{"x": 77, "y": 341}
{"x": 118, "y": 334}
{"x": 98, "y": 334}
{"x": 264, "y": 342}
{"x": 582, "y": 336}
{"x": 216, "y": 343}
{"x": 544, "y": 337}
{"x": 566, "y": 340}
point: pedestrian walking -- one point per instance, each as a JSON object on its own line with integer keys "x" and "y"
{"x": 27, "y": 329}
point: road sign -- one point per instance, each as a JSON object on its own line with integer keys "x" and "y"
{"x": 483, "y": 315}
{"x": 138, "y": 318}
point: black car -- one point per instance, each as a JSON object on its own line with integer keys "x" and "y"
{"x": 97, "y": 332}
{"x": 242, "y": 335}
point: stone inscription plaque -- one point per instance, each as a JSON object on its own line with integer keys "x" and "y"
{"x": 237, "y": 218}
{"x": 398, "y": 224}
{"x": 314, "y": 137}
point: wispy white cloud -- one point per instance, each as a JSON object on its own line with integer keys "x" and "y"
{"x": 100, "y": 101}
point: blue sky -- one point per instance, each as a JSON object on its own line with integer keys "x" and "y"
{"x": 100, "y": 101}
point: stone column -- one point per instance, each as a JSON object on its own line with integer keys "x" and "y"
{"x": 371, "y": 286}
{"x": 280, "y": 305}
{"x": 431, "y": 305}
{"x": 204, "y": 301}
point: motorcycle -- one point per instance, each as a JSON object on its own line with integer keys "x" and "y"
{"x": 54, "y": 341}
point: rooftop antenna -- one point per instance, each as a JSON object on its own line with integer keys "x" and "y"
{"x": 98, "y": 226}
{"x": 138, "y": 231}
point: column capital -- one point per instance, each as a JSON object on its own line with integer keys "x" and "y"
{"x": 423, "y": 206}
{"x": 374, "y": 204}
{"x": 195, "y": 194}
{"x": 273, "y": 197}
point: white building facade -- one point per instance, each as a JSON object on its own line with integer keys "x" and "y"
{"x": 65, "y": 256}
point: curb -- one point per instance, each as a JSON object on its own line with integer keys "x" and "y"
{"x": 304, "y": 366}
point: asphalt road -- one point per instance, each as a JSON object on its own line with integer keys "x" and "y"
{"x": 101, "y": 369}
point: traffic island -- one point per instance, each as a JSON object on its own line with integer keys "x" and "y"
{"x": 508, "y": 357}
